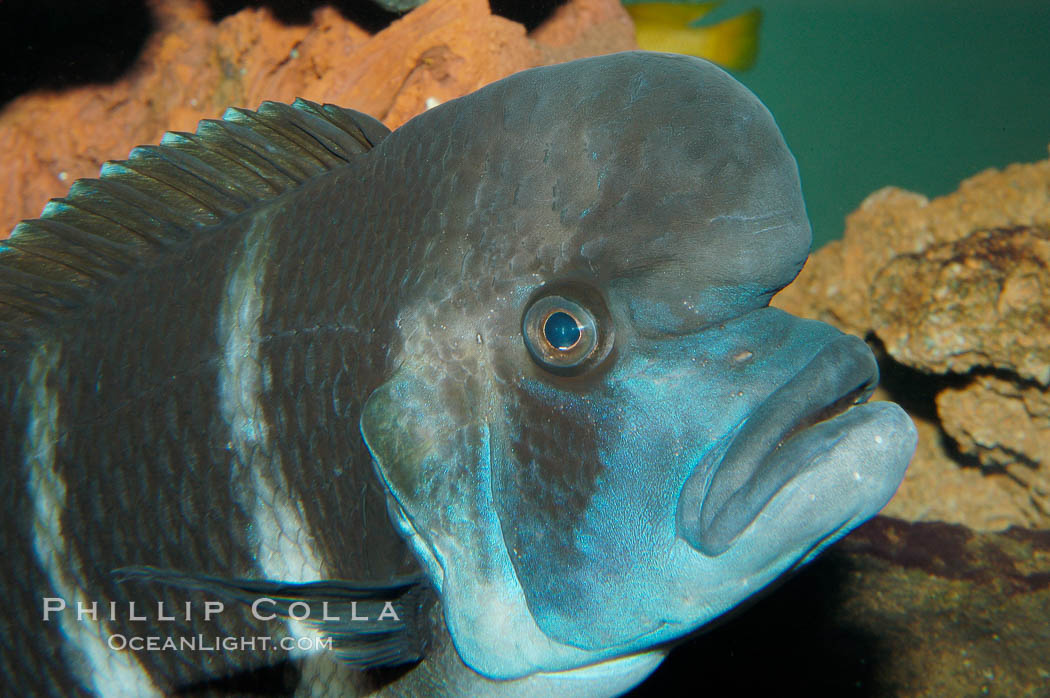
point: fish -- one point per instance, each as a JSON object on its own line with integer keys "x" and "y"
{"x": 493, "y": 404}
{"x": 399, "y": 6}
{"x": 673, "y": 26}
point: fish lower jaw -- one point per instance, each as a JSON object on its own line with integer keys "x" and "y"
{"x": 843, "y": 468}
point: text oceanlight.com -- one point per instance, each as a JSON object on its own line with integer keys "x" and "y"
{"x": 217, "y": 643}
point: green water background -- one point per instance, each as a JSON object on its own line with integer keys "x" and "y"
{"x": 920, "y": 94}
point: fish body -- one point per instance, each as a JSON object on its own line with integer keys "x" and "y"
{"x": 505, "y": 381}
{"x": 673, "y": 26}
{"x": 398, "y": 5}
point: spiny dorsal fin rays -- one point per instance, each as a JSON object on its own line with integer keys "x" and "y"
{"x": 252, "y": 151}
{"x": 78, "y": 251}
{"x": 367, "y": 130}
{"x": 245, "y": 170}
{"x": 163, "y": 195}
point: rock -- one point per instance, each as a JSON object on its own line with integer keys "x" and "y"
{"x": 193, "y": 69}
{"x": 942, "y": 486}
{"x": 1004, "y": 424}
{"x": 895, "y": 609}
{"x": 956, "y": 612}
{"x": 997, "y": 420}
{"x": 954, "y": 294}
{"x": 984, "y": 301}
{"x": 892, "y": 221}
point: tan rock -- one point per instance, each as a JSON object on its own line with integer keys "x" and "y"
{"x": 1005, "y": 425}
{"x": 937, "y": 487}
{"x": 983, "y": 301}
{"x": 193, "y": 69}
{"x": 836, "y": 281}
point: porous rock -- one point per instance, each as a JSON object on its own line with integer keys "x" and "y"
{"x": 1005, "y": 424}
{"x": 984, "y": 302}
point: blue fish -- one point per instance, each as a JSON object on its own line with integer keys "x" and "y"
{"x": 493, "y": 404}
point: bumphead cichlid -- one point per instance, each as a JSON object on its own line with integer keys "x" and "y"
{"x": 490, "y": 405}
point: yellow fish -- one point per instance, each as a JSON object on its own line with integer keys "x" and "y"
{"x": 668, "y": 26}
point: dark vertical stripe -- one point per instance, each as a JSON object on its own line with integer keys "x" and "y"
{"x": 328, "y": 331}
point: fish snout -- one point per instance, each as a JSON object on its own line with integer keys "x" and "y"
{"x": 775, "y": 443}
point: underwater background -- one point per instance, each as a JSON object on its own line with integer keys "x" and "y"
{"x": 953, "y": 597}
{"x": 919, "y": 94}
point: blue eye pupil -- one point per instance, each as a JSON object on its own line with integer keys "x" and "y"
{"x": 561, "y": 330}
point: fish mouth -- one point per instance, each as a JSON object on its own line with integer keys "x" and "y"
{"x": 777, "y": 442}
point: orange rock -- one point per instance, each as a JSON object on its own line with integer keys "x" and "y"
{"x": 193, "y": 69}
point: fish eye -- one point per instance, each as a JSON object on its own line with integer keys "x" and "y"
{"x": 565, "y": 336}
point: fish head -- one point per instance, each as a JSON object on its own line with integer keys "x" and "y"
{"x": 600, "y": 437}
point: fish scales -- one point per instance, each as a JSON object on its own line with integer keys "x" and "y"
{"x": 490, "y": 368}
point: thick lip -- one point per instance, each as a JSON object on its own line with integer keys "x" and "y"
{"x": 774, "y": 445}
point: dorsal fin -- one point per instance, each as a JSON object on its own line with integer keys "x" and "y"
{"x": 161, "y": 195}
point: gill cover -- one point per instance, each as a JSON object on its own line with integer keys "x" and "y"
{"x": 434, "y": 456}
